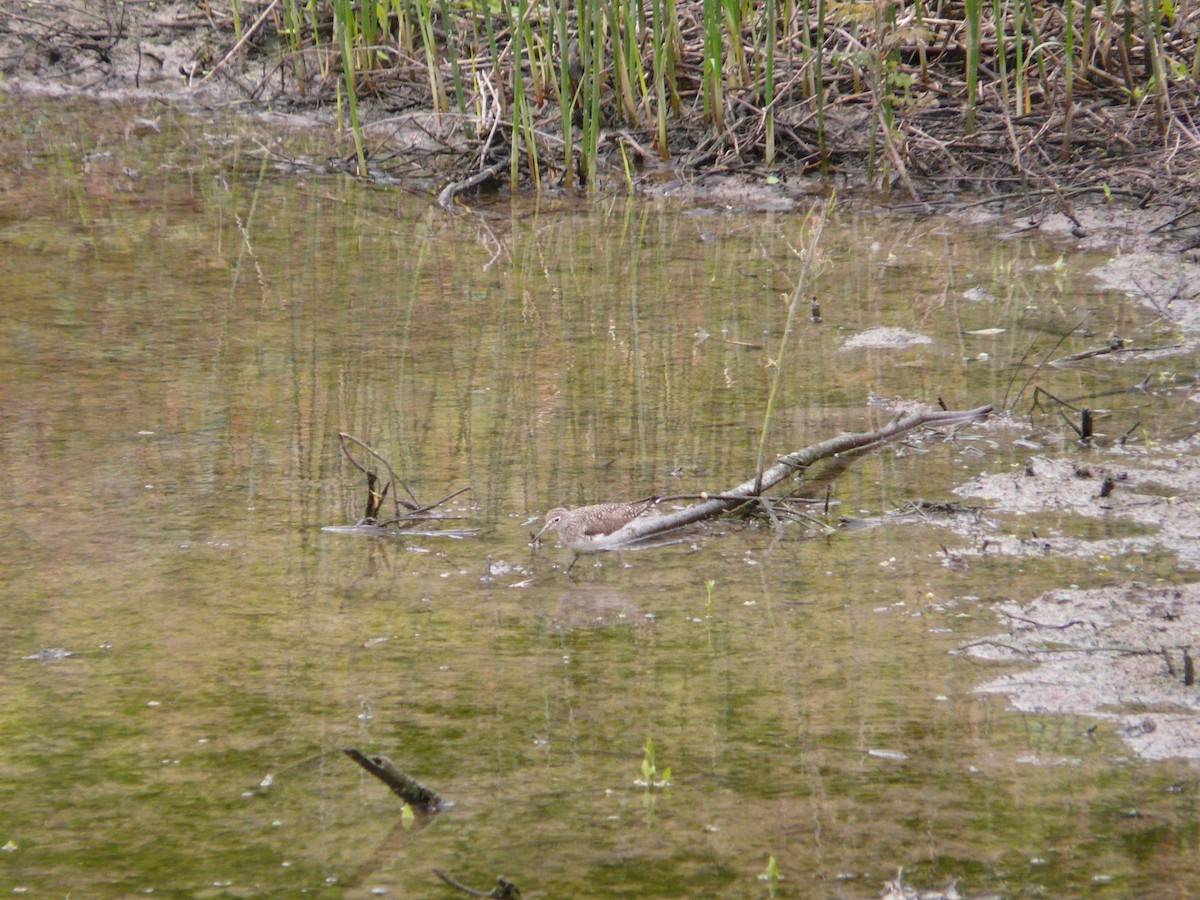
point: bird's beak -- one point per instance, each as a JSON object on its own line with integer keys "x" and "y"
{"x": 537, "y": 538}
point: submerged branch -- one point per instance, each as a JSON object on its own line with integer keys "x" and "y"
{"x": 420, "y": 510}
{"x": 504, "y": 889}
{"x": 401, "y": 522}
{"x": 408, "y": 789}
{"x": 411, "y": 503}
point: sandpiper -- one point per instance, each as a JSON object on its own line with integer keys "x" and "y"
{"x": 597, "y": 527}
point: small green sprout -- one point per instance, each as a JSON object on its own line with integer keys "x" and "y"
{"x": 771, "y": 873}
{"x": 651, "y": 777}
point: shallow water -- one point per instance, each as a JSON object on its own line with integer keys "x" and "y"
{"x": 185, "y": 330}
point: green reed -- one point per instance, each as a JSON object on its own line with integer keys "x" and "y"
{"x": 346, "y": 27}
{"x": 623, "y": 46}
{"x": 617, "y": 64}
{"x": 1068, "y": 73}
{"x": 405, "y": 33}
{"x": 674, "y": 40}
{"x": 735, "y": 18}
{"x": 974, "y": 14}
{"x": 819, "y": 87}
{"x": 807, "y": 250}
{"x": 1086, "y": 36}
{"x": 292, "y": 32}
{"x": 536, "y": 48}
{"x": 437, "y": 92}
{"x": 1020, "y": 89}
{"x": 453, "y": 26}
{"x": 659, "y": 15}
{"x": 591, "y": 60}
{"x": 523, "y": 131}
{"x": 518, "y": 81}
{"x": 568, "y": 79}
{"x": 368, "y": 30}
{"x": 713, "y": 62}
{"x": 768, "y": 98}
{"x": 1196, "y": 62}
{"x": 1001, "y": 50}
{"x": 884, "y": 63}
{"x": 1152, "y": 18}
{"x": 235, "y": 13}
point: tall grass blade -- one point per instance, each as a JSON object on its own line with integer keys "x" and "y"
{"x": 424, "y": 10}
{"x": 518, "y": 104}
{"x": 451, "y": 25}
{"x": 661, "y": 37}
{"x": 367, "y": 32}
{"x": 344, "y": 24}
{"x": 769, "y": 83}
{"x": 974, "y": 14}
{"x": 569, "y": 70}
{"x": 1153, "y": 39}
{"x": 620, "y": 37}
{"x": 1036, "y": 53}
{"x": 591, "y": 43}
{"x": 819, "y": 87}
{"x": 808, "y": 255}
{"x": 293, "y": 34}
{"x": 1001, "y": 51}
{"x": 1020, "y": 91}
{"x": 713, "y": 63}
{"x": 732, "y": 14}
{"x": 236, "y": 13}
{"x": 1068, "y": 74}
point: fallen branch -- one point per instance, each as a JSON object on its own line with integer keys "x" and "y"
{"x": 750, "y": 491}
{"x": 504, "y": 889}
{"x": 416, "y": 795}
{"x": 449, "y": 192}
{"x": 1113, "y": 346}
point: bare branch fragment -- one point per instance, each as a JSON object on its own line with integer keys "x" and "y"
{"x": 415, "y": 794}
{"x": 749, "y": 491}
{"x": 504, "y": 889}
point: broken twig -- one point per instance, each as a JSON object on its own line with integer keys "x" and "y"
{"x": 504, "y": 889}
{"x": 411, "y": 503}
{"x": 409, "y": 790}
